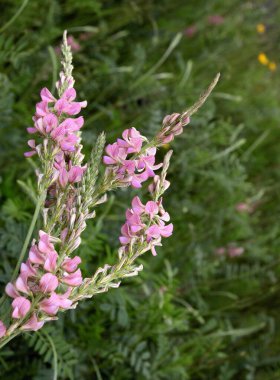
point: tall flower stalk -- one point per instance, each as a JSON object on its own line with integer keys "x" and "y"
{"x": 49, "y": 281}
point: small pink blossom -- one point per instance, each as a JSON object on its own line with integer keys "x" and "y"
{"x": 216, "y": 19}
{"x": 52, "y": 304}
{"x": 21, "y": 307}
{"x": 11, "y": 290}
{"x": 66, "y": 104}
{"x": 115, "y": 154}
{"x": 172, "y": 126}
{"x": 243, "y": 207}
{"x": 190, "y": 31}
{"x": 49, "y": 305}
{"x": 70, "y": 265}
{"x": 132, "y": 141}
{"x": 47, "y": 96}
{"x": 73, "y": 175}
{"x": 42, "y": 109}
{"x": 27, "y": 269}
{"x": 220, "y": 251}
{"x": 45, "y": 245}
{"x": 75, "y": 46}
{"x": 50, "y": 263}
{"x": 35, "y": 256}
{"x": 156, "y": 181}
{"x": 48, "y": 283}
{"x": 21, "y": 284}
{"x": 31, "y": 144}
{"x": 33, "y": 324}
{"x": 151, "y": 209}
{"x": 235, "y": 251}
{"x": 72, "y": 279}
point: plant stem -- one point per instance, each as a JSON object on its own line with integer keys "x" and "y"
{"x": 8, "y": 339}
{"x": 40, "y": 201}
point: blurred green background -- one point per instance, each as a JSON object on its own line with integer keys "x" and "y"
{"x": 207, "y": 307}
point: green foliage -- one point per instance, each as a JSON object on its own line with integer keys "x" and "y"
{"x": 190, "y": 314}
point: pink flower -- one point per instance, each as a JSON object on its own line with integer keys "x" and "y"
{"x": 136, "y": 170}
{"x": 156, "y": 231}
{"x": 127, "y": 235}
{"x": 132, "y": 141}
{"x": 235, "y": 251}
{"x": 220, "y": 251}
{"x": 172, "y": 126}
{"x": 243, "y": 207}
{"x": 50, "y": 122}
{"x": 45, "y": 245}
{"x": 21, "y": 307}
{"x": 137, "y": 205}
{"x": 115, "y": 153}
{"x": 62, "y": 299}
{"x": 33, "y": 324}
{"x": 32, "y": 145}
{"x": 72, "y": 125}
{"x": 75, "y": 46}
{"x": 42, "y": 109}
{"x": 55, "y": 301}
{"x": 151, "y": 229}
{"x": 49, "y": 305}
{"x": 70, "y": 265}
{"x": 11, "y": 290}
{"x": 48, "y": 283}
{"x": 216, "y": 20}
{"x": 73, "y": 279}
{"x": 50, "y": 263}
{"x": 74, "y": 174}
{"x": 21, "y": 284}
{"x": 47, "y": 96}
{"x": 35, "y": 256}
{"x": 27, "y": 269}
{"x": 3, "y": 329}
{"x": 151, "y": 209}
{"x": 153, "y": 186}
{"x": 190, "y": 31}
{"x": 66, "y": 105}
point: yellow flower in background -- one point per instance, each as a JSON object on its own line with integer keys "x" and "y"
{"x": 262, "y": 58}
{"x": 272, "y": 66}
{"x": 261, "y": 28}
{"x": 166, "y": 146}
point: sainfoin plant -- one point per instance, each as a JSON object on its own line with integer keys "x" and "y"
{"x": 49, "y": 280}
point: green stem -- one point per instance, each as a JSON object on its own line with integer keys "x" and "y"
{"x": 40, "y": 201}
{"x": 8, "y": 339}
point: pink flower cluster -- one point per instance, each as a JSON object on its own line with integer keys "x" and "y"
{"x": 146, "y": 223}
{"x": 67, "y": 172}
{"x": 125, "y": 158}
{"x": 231, "y": 251}
{"x": 52, "y": 121}
{"x": 172, "y": 126}
{"x": 41, "y": 276}
{"x": 47, "y": 118}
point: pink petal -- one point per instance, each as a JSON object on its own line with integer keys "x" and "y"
{"x": 48, "y": 283}
{"x": 3, "y": 329}
{"x": 46, "y": 95}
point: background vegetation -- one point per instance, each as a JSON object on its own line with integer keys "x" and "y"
{"x": 196, "y": 312}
